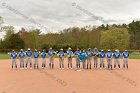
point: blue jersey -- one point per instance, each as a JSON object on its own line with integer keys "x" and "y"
{"x": 69, "y": 52}
{"x": 36, "y": 54}
{"x": 116, "y": 55}
{"x": 61, "y": 54}
{"x": 102, "y": 54}
{"x": 14, "y": 55}
{"x": 109, "y": 55}
{"x": 43, "y": 55}
{"x": 125, "y": 54}
{"x": 95, "y": 52}
{"x": 21, "y": 54}
{"x": 51, "y": 52}
{"x": 76, "y": 52}
{"x": 28, "y": 53}
{"x": 81, "y": 57}
{"x": 89, "y": 53}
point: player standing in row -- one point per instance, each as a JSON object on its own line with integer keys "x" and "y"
{"x": 95, "y": 53}
{"x": 89, "y": 58}
{"x": 116, "y": 58}
{"x": 51, "y": 53}
{"x": 13, "y": 57}
{"x": 70, "y": 55}
{"x": 81, "y": 58}
{"x": 21, "y": 58}
{"x": 84, "y": 61}
{"x": 43, "y": 55}
{"x": 125, "y": 55}
{"x": 76, "y": 58}
{"x": 102, "y": 57}
{"x": 29, "y": 58}
{"x": 61, "y": 55}
{"x": 36, "y": 55}
{"x": 109, "y": 59}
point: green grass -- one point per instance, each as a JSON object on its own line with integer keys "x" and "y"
{"x": 134, "y": 56}
{"x": 6, "y": 56}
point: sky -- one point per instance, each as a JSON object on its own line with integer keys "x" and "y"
{"x": 56, "y": 15}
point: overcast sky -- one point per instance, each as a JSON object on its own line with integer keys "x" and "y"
{"x": 56, "y": 15}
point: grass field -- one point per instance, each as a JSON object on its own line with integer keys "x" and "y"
{"x": 132, "y": 56}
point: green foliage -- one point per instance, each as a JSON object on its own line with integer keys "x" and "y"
{"x": 115, "y": 38}
{"x": 13, "y": 42}
{"x": 134, "y": 30}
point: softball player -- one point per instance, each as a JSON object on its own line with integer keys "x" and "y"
{"x": 109, "y": 59}
{"x": 21, "y": 58}
{"x": 95, "y": 53}
{"x": 29, "y": 58}
{"x": 102, "y": 57}
{"x": 84, "y": 60}
{"x": 125, "y": 55}
{"x": 89, "y": 58}
{"x": 81, "y": 58}
{"x": 51, "y": 53}
{"x": 116, "y": 58}
{"x": 70, "y": 55}
{"x": 36, "y": 55}
{"x": 13, "y": 57}
{"x": 76, "y": 58}
{"x": 43, "y": 55}
{"x": 61, "y": 55}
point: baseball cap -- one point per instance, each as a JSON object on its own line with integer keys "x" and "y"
{"x": 61, "y": 49}
{"x": 102, "y": 50}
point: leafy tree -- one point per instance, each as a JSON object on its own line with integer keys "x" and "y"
{"x": 115, "y": 38}
{"x": 13, "y": 42}
{"x": 134, "y": 30}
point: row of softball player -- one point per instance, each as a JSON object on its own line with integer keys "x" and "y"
{"x": 81, "y": 56}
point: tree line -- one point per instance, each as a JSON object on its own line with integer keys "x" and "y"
{"x": 124, "y": 36}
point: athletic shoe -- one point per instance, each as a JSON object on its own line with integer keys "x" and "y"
{"x": 78, "y": 70}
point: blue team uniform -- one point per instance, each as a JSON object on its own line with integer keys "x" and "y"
{"x": 116, "y": 55}
{"x": 61, "y": 59}
{"x": 102, "y": 54}
{"x": 125, "y": 54}
{"x": 21, "y": 54}
{"x": 116, "y": 59}
{"x": 21, "y": 58}
{"x": 43, "y": 54}
{"x": 109, "y": 56}
{"x": 95, "y": 52}
{"x": 36, "y": 54}
{"x": 14, "y": 55}
{"x": 51, "y": 52}
{"x": 28, "y": 53}
{"x": 51, "y": 58}
{"x": 29, "y": 59}
{"x": 125, "y": 59}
